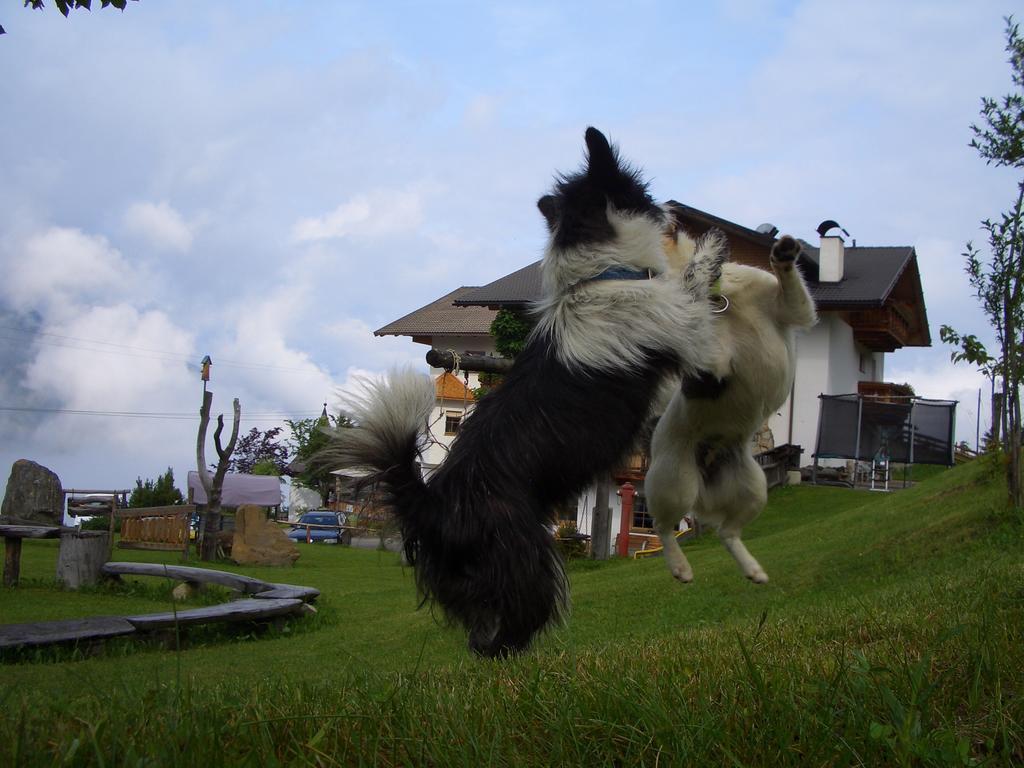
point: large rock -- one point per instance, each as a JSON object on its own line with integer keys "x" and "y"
{"x": 259, "y": 541}
{"x": 34, "y": 495}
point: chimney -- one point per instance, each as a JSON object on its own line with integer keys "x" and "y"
{"x": 831, "y": 256}
{"x": 830, "y": 259}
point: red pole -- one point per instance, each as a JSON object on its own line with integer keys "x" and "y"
{"x": 626, "y": 492}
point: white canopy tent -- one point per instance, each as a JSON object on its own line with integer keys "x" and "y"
{"x": 263, "y": 490}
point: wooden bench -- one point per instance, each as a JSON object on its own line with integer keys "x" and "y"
{"x": 265, "y": 600}
{"x": 13, "y": 534}
{"x": 67, "y": 631}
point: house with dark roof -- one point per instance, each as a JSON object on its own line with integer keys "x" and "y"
{"x": 869, "y": 303}
{"x": 869, "y": 300}
{"x": 443, "y": 325}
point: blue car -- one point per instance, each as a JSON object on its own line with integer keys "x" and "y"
{"x": 321, "y": 525}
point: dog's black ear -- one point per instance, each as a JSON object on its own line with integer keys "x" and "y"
{"x": 601, "y": 159}
{"x": 548, "y": 206}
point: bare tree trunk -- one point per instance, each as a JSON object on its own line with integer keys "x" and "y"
{"x": 213, "y": 486}
{"x": 995, "y": 440}
{"x": 600, "y": 536}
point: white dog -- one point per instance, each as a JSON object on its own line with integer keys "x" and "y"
{"x": 701, "y": 452}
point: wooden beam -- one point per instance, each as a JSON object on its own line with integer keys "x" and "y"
{"x": 238, "y": 610}
{"x": 31, "y": 531}
{"x": 180, "y": 509}
{"x": 186, "y": 573}
{"x": 47, "y": 632}
{"x": 438, "y": 359}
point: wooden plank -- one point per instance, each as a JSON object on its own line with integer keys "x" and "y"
{"x": 280, "y": 591}
{"x": 161, "y": 546}
{"x": 187, "y": 573}
{"x": 88, "y": 492}
{"x": 168, "y": 511}
{"x": 47, "y": 632}
{"x": 29, "y": 531}
{"x": 249, "y": 609}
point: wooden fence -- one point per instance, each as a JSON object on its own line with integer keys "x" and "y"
{"x": 165, "y": 528}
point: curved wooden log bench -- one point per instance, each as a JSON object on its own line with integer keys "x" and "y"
{"x": 265, "y": 600}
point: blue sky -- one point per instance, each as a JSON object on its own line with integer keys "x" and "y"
{"x": 268, "y": 182}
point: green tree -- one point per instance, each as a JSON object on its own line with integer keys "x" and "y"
{"x": 156, "y": 493}
{"x": 998, "y": 280}
{"x": 308, "y": 439}
{"x": 510, "y": 329}
{"x": 66, "y": 6}
{"x": 260, "y": 452}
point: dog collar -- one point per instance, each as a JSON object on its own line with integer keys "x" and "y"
{"x": 623, "y": 273}
{"x": 615, "y": 273}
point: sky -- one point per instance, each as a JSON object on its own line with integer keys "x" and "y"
{"x": 268, "y": 182}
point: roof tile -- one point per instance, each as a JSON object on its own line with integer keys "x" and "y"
{"x": 443, "y": 317}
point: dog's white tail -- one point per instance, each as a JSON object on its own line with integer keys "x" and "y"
{"x": 390, "y": 417}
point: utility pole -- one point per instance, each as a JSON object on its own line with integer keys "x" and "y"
{"x": 601, "y": 534}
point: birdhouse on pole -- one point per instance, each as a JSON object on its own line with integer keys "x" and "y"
{"x": 206, "y": 363}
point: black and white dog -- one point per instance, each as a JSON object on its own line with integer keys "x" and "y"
{"x": 612, "y": 323}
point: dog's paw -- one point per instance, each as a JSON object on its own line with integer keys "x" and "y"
{"x": 682, "y": 573}
{"x": 704, "y": 271}
{"x": 758, "y": 576}
{"x": 785, "y": 250}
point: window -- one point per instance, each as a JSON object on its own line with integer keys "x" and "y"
{"x": 452, "y": 420}
{"x": 867, "y": 364}
{"x": 641, "y": 517}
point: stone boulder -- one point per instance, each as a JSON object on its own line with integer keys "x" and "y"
{"x": 34, "y": 495}
{"x": 258, "y": 541}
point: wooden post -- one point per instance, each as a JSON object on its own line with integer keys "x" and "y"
{"x": 12, "y": 561}
{"x": 600, "y": 536}
{"x": 626, "y": 492}
{"x": 110, "y": 538}
{"x": 81, "y": 556}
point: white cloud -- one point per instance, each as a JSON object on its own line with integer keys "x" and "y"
{"x": 379, "y": 213}
{"x": 940, "y": 379}
{"x": 62, "y": 266}
{"x": 481, "y": 111}
{"x": 160, "y": 224}
{"x": 143, "y": 370}
{"x": 356, "y": 342}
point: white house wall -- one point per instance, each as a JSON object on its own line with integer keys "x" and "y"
{"x": 585, "y": 512}
{"x": 300, "y": 500}
{"x": 828, "y": 361}
{"x": 844, "y": 367}
{"x": 810, "y": 380}
{"x": 437, "y": 450}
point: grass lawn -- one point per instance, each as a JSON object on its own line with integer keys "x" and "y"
{"x": 890, "y": 633}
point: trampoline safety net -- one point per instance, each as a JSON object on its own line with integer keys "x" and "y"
{"x": 911, "y": 431}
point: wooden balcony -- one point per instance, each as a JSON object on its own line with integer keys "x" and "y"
{"x": 633, "y": 469}
{"x": 884, "y": 391}
{"x": 881, "y": 330}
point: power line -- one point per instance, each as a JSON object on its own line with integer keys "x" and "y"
{"x": 132, "y": 351}
{"x": 180, "y": 416}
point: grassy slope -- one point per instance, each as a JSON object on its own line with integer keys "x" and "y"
{"x": 890, "y": 632}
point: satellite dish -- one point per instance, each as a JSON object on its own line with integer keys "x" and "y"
{"x": 768, "y": 229}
